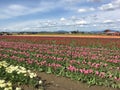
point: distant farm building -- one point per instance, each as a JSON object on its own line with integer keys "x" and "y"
{"x": 113, "y": 33}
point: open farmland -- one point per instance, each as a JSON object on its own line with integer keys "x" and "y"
{"x": 94, "y": 60}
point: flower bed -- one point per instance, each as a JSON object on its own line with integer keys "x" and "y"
{"x": 77, "y": 41}
{"x": 12, "y": 77}
{"x": 94, "y": 66}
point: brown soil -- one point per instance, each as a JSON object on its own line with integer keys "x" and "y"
{"x": 62, "y": 83}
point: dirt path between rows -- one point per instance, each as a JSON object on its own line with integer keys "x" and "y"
{"x": 62, "y": 83}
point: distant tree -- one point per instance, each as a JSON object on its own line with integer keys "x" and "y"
{"x": 83, "y": 32}
{"x": 74, "y": 32}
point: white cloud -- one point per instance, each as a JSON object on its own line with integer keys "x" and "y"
{"x": 71, "y": 2}
{"x": 73, "y": 17}
{"x": 57, "y": 24}
{"x": 3, "y": 16}
{"x": 108, "y": 21}
{"x": 96, "y": 19}
{"x": 62, "y": 19}
{"x": 91, "y": 9}
{"x": 118, "y": 20}
{"x": 94, "y": 25}
{"x": 44, "y": 25}
{"x": 33, "y": 25}
{"x": 14, "y": 10}
{"x": 107, "y": 7}
{"x": 111, "y": 6}
{"x": 81, "y": 10}
{"x": 16, "y": 7}
{"x": 116, "y": 2}
{"x": 94, "y": 0}
{"x": 81, "y": 22}
{"x": 42, "y": 6}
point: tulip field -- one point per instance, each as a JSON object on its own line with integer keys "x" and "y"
{"x": 94, "y": 61}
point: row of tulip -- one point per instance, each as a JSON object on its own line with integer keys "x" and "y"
{"x": 95, "y": 66}
{"x": 62, "y": 51}
{"x": 77, "y": 41}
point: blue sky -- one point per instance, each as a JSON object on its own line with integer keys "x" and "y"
{"x": 53, "y": 15}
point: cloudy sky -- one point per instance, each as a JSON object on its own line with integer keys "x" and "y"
{"x": 53, "y": 15}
